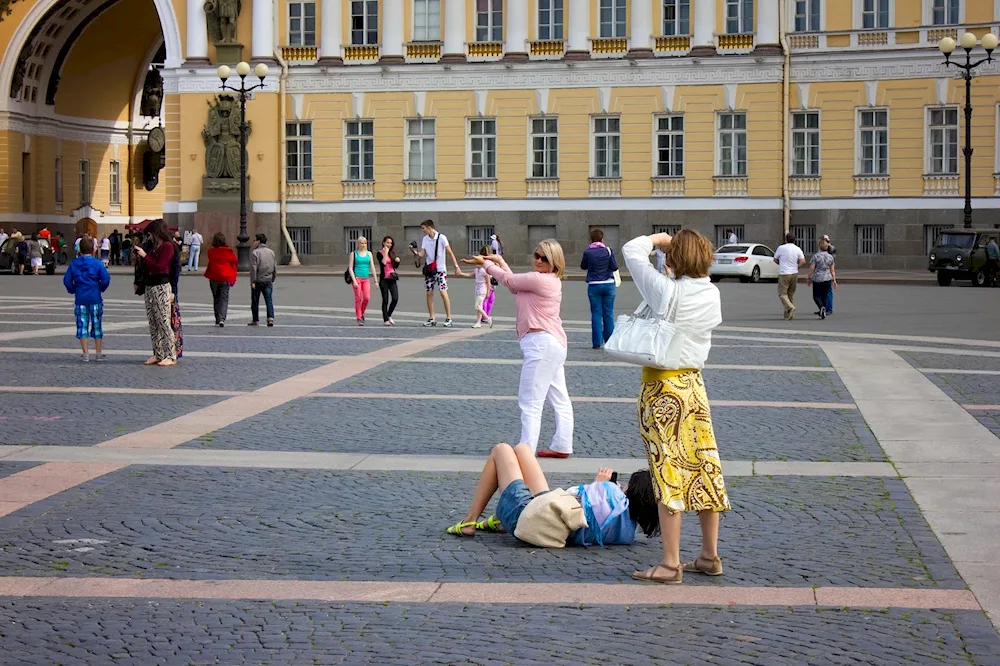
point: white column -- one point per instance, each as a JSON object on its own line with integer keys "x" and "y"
{"x": 517, "y": 26}
{"x": 392, "y": 29}
{"x": 262, "y": 42}
{"x": 454, "y": 27}
{"x": 197, "y": 30}
{"x": 330, "y": 32}
{"x": 579, "y": 26}
{"x": 767, "y": 22}
{"x": 704, "y": 24}
{"x": 640, "y": 30}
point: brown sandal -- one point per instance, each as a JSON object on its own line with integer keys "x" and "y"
{"x": 649, "y": 575}
{"x": 704, "y": 565}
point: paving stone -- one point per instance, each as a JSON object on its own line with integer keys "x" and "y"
{"x": 969, "y": 389}
{"x": 971, "y": 361}
{"x": 48, "y": 631}
{"x": 8, "y": 468}
{"x": 989, "y": 418}
{"x": 232, "y": 345}
{"x": 211, "y": 523}
{"x": 600, "y": 429}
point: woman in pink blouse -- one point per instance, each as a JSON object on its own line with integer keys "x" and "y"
{"x": 538, "y": 297}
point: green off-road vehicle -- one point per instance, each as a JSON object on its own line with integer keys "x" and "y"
{"x": 960, "y": 254}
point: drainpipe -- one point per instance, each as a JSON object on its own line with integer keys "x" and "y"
{"x": 786, "y": 204}
{"x": 282, "y": 184}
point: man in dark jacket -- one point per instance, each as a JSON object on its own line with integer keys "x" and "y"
{"x": 600, "y": 263}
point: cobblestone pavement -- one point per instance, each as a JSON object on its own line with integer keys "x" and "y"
{"x": 952, "y": 361}
{"x": 969, "y": 389}
{"x": 8, "y": 468}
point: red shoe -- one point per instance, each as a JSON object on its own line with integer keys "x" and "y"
{"x": 549, "y": 453}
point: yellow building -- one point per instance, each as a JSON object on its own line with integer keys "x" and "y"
{"x": 525, "y": 118}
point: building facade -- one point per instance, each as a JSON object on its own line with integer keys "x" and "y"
{"x": 526, "y": 118}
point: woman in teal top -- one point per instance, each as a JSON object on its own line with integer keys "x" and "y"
{"x": 362, "y": 269}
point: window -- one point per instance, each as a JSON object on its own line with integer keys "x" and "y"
{"x": 733, "y": 144}
{"x": 942, "y": 141}
{"x": 360, "y": 150}
{"x": 57, "y": 177}
{"x": 302, "y": 24}
{"x": 426, "y": 20}
{"x": 607, "y": 147}
{"x": 870, "y": 239}
{"x": 932, "y": 232}
{"x": 944, "y": 12}
{"x": 483, "y": 149}
{"x": 670, "y": 146}
{"x": 550, "y": 19}
{"x": 807, "y": 15}
{"x": 874, "y": 143}
{"x": 723, "y": 233}
{"x": 298, "y": 152}
{"x": 420, "y": 151}
{"x": 364, "y": 22}
{"x": 84, "y": 182}
{"x": 115, "y": 186}
{"x": 676, "y": 17}
{"x": 479, "y": 237}
{"x": 489, "y": 20}
{"x": 671, "y": 229}
{"x": 352, "y": 234}
{"x": 301, "y": 239}
{"x": 612, "y": 18}
{"x": 544, "y": 148}
{"x": 739, "y": 16}
{"x": 805, "y": 143}
{"x": 874, "y": 14}
{"x": 805, "y": 237}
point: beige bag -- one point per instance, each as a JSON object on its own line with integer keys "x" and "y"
{"x": 549, "y": 519}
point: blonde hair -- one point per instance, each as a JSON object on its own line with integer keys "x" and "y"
{"x": 552, "y": 250}
{"x": 690, "y": 254}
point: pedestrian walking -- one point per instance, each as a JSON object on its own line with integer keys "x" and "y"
{"x": 263, "y": 273}
{"x": 194, "y": 250}
{"x": 87, "y": 278}
{"x": 221, "y": 274}
{"x": 483, "y": 284}
{"x": 23, "y": 263}
{"x": 434, "y": 250}
{"x": 538, "y": 298}
{"x": 992, "y": 262}
{"x": 105, "y": 250}
{"x": 674, "y": 417}
{"x": 35, "y": 254}
{"x": 154, "y": 266}
{"x": 600, "y": 263}
{"x": 126, "y": 250}
{"x": 388, "y": 278}
{"x": 116, "y": 248}
{"x": 362, "y": 270}
{"x": 60, "y": 249}
{"x": 823, "y": 278}
{"x": 496, "y": 245}
{"x": 3, "y": 236}
{"x": 733, "y": 238}
{"x": 789, "y": 258}
{"x": 175, "y": 302}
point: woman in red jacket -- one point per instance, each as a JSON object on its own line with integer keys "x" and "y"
{"x": 221, "y": 272}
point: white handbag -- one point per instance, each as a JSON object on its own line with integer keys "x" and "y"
{"x": 648, "y": 338}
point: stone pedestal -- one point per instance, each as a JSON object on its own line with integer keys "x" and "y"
{"x": 222, "y": 195}
{"x": 228, "y": 54}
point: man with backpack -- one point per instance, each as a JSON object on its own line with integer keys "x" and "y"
{"x": 434, "y": 250}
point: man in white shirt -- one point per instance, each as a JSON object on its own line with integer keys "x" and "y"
{"x": 789, "y": 258}
{"x": 194, "y": 250}
{"x": 733, "y": 238}
{"x": 3, "y": 236}
{"x": 434, "y": 250}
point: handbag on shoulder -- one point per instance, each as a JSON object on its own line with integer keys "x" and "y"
{"x": 648, "y": 337}
{"x": 347, "y": 273}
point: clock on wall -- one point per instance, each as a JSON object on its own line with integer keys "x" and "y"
{"x": 156, "y": 139}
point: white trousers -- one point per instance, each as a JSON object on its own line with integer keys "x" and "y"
{"x": 543, "y": 377}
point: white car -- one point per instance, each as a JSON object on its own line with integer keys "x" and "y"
{"x": 750, "y": 262}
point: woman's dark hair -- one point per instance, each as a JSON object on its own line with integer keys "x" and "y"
{"x": 642, "y": 504}
{"x": 158, "y": 231}
{"x": 392, "y": 250}
{"x": 596, "y": 236}
{"x": 219, "y": 239}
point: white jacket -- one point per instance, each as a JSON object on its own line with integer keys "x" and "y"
{"x": 699, "y": 309}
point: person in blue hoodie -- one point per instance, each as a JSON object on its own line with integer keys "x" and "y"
{"x": 87, "y": 278}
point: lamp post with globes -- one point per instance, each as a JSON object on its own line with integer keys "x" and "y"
{"x": 968, "y": 42}
{"x": 243, "y": 70}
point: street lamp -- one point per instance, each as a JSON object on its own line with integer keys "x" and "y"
{"x": 968, "y": 42}
{"x": 243, "y": 70}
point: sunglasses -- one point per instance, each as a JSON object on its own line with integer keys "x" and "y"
{"x": 539, "y": 257}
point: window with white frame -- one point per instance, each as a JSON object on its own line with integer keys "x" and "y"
{"x": 57, "y": 177}
{"x": 676, "y": 17}
{"x": 483, "y": 148}
{"x": 805, "y": 237}
{"x": 550, "y": 19}
{"x": 733, "y": 145}
{"x": 607, "y": 147}
{"x": 489, "y": 20}
{"x": 364, "y": 22}
{"x": 874, "y": 14}
{"x": 670, "y": 146}
{"x": 723, "y": 232}
{"x": 298, "y": 152}
{"x": 870, "y": 239}
{"x": 301, "y": 239}
{"x": 360, "y": 150}
{"x": 352, "y": 234}
{"x": 84, "y": 182}
{"x": 931, "y": 234}
{"x": 544, "y": 148}
{"x": 115, "y": 183}
{"x": 873, "y": 139}
{"x": 739, "y": 16}
{"x": 612, "y": 18}
{"x": 805, "y": 143}
{"x": 420, "y": 149}
{"x": 479, "y": 237}
{"x": 302, "y": 24}
{"x": 426, "y": 20}
{"x": 942, "y": 141}
{"x": 945, "y": 12}
{"x": 807, "y": 15}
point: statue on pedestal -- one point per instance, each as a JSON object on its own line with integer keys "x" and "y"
{"x": 222, "y": 146}
{"x": 222, "y": 15}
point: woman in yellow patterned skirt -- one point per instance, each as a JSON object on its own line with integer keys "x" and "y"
{"x": 674, "y": 417}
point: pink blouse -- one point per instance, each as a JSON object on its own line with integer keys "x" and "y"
{"x": 538, "y": 297}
